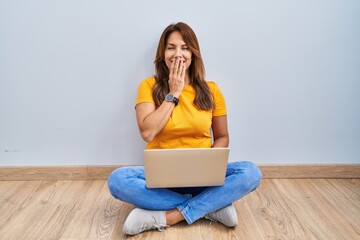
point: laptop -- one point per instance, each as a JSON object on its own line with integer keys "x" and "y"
{"x": 185, "y": 167}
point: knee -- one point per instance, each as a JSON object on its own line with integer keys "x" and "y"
{"x": 250, "y": 175}
{"x": 114, "y": 181}
{"x": 118, "y": 181}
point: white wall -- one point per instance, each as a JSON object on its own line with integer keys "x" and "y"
{"x": 69, "y": 71}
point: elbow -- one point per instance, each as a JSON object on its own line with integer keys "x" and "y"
{"x": 227, "y": 141}
{"x": 147, "y": 136}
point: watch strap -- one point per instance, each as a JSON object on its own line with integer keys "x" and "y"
{"x": 175, "y": 100}
{"x": 170, "y": 98}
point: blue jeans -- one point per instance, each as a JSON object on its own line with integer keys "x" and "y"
{"x": 128, "y": 184}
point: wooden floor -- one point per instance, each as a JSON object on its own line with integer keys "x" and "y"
{"x": 279, "y": 209}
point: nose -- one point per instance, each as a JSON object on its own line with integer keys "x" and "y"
{"x": 178, "y": 53}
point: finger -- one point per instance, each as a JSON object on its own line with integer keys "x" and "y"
{"x": 177, "y": 66}
{"x": 180, "y": 66}
{"x": 183, "y": 70}
{"x": 180, "y": 69}
{"x": 172, "y": 67}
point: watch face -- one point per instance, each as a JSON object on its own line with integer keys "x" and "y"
{"x": 169, "y": 97}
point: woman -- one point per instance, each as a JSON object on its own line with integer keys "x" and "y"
{"x": 176, "y": 109}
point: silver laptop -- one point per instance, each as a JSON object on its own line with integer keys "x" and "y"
{"x": 185, "y": 167}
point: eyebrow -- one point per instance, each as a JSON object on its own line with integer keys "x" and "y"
{"x": 171, "y": 44}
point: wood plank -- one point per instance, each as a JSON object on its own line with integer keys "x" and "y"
{"x": 48, "y": 209}
{"x": 312, "y": 208}
{"x": 278, "y": 209}
{"x": 349, "y": 187}
{"x": 273, "y": 215}
{"x": 98, "y": 212}
{"x": 346, "y": 205}
{"x": 247, "y": 227}
{"x": 79, "y": 195}
{"x": 25, "y": 215}
{"x": 14, "y": 198}
{"x": 49, "y": 173}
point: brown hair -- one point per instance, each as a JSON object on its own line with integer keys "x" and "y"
{"x": 203, "y": 98}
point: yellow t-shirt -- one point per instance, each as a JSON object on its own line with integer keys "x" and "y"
{"x": 187, "y": 126}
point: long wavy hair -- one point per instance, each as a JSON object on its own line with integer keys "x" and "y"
{"x": 203, "y": 98}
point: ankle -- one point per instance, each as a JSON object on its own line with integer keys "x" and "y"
{"x": 173, "y": 217}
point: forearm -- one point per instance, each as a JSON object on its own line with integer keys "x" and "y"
{"x": 153, "y": 123}
{"x": 150, "y": 120}
{"x": 221, "y": 142}
{"x": 220, "y": 132}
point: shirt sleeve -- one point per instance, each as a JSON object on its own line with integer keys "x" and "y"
{"x": 219, "y": 100}
{"x": 144, "y": 93}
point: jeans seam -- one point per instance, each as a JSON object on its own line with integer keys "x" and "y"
{"x": 185, "y": 215}
{"x": 192, "y": 203}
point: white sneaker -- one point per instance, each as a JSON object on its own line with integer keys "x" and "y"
{"x": 226, "y": 216}
{"x": 140, "y": 220}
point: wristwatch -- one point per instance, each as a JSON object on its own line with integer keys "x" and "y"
{"x": 170, "y": 98}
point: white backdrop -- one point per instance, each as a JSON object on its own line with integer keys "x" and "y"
{"x": 69, "y": 71}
